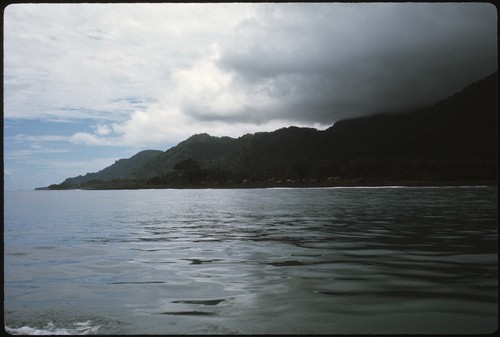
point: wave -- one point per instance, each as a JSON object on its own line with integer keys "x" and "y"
{"x": 78, "y": 328}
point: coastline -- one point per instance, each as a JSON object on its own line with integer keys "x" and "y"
{"x": 347, "y": 184}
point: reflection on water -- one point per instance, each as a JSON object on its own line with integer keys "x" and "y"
{"x": 406, "y": 260}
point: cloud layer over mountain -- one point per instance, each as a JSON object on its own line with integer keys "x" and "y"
{"x": 153, "y": 73}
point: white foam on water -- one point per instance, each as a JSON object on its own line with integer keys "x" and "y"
{"x": 78, "y": 328}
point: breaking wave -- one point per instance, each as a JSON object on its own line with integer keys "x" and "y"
{"x": 78, "y": 328}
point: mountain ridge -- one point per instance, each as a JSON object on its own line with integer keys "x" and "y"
{"x": 454, "y": 139}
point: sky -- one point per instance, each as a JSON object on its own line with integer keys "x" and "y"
{"x": 88, "y": 84}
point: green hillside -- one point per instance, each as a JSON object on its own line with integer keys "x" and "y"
{"x": 454, "y": 140}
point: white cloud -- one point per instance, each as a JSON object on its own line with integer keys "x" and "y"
{"x": 90, "y": 139}
{"x": 85, "y": 61}
{"x": 204, "y": 98}
{"x": 32, "y": 138}
{"x": 102, "y": 129}
{"x": 34, "y": 150}
{"x": 206, "y": 92}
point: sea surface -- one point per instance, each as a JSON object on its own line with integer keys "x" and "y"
{"x": 252, "y": 261}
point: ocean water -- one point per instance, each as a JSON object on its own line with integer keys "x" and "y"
{"x": 252, "y": 261}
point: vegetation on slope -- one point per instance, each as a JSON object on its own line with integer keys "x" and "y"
{"x": 454, "y": 140}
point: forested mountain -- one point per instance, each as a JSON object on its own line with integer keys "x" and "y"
{"x": 454, "y": 140}
{"x": 121, "y": 169}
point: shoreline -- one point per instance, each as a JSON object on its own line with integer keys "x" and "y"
{"x": 358, "y": 184}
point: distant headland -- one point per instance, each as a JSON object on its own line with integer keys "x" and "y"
{"x": 455, "y": 141}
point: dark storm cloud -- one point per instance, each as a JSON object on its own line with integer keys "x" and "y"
{"x": 326, "y": 62}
